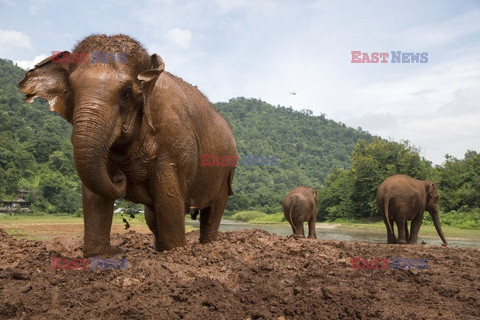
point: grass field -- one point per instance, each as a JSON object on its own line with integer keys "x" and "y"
{"x": 49, "y": 226}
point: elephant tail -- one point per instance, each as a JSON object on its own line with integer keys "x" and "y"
{"x": 385, "y": 208}
{"x": 291, "y": 220}
{"x": 230, "y": 182}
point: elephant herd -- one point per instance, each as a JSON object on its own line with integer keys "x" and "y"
{"x": 139, "y": 133}
{"x": 400, "y": 198}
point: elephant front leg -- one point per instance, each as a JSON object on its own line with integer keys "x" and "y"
{"x": 150, "y": 218}
{"x": 169, "y": 212}
{"x": 97, "y": 217}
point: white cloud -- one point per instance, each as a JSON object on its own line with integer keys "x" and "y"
{"x": 11, "y": 40}
{"x": 180, "y": 37}
{"x": 29, "y": 64}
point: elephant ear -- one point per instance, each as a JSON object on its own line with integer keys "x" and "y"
{"x": 49, "y": 80}
{"x": 148, "y": 79}
{"x": 431, "y": 190}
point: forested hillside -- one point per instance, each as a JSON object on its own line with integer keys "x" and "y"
{"x": 346, "y": 165}
{"x": 307, "y": 148}
{"x": 35, "y": 149}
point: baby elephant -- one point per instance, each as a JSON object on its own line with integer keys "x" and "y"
{"x": 300, "y": 205}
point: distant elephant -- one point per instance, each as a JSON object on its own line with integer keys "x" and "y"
{"x": 299, "y": 206}
{"x": 139, "y": 133}
{"x": 402, "y": 198}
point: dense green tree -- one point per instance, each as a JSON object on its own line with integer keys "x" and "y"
{"x": 351, "y": 194}
{"x": 459, "y": 182}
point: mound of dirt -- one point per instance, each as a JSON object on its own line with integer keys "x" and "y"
{"x": 244, "y": 275}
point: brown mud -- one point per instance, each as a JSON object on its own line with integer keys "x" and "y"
{"x": 244, "y": 275}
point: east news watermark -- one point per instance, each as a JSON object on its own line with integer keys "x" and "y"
{"x": 394, "y": 56}
{"x": 95, "y": 57}
{"x": 392, "y": 263}
{"x": 244, "y": 160}
{"x": 88, "y": 263}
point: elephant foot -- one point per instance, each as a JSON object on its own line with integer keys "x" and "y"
{"x": 207, "y": 238}
{"x": 402, "y": 242}
{"x": 106, "y": 251}
{"x": 156, "y": 246}
{"x": 298, "y": 236}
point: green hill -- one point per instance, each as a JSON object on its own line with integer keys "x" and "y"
{"x": 307, "y": 148}
{"x": 35, "y": 149}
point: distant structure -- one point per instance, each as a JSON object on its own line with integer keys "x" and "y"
{"x": 16, "y": 206}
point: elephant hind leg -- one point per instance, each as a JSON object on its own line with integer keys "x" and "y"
{"x": 300, "y": 231}
{"x": 312, "y": 234}
{"x": 401, "y": 226}
{"x": 391, "y": 239}
{"x": 406, "y": 232}
{"x": 415, "y": 227}
{"x": 210, "y": 220}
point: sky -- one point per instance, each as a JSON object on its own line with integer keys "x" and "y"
{"x": 293, "y": 53}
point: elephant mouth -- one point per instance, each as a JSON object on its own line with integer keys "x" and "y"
{"x": 119, "y": 152}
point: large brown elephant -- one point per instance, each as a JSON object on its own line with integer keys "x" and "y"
{"x": 139, "y": 133}
{"x": 299, "y": 206}
{"x": 402, "y": 198}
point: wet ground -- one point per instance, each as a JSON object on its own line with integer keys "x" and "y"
{"x": 329, "y": 231}
{"x": 248, "y": 274}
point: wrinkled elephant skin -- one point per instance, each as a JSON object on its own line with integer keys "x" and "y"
{"x": 139, "y": 133}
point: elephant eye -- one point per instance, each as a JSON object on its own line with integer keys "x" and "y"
{"x": 126, "y": 95}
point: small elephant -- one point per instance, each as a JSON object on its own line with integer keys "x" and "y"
{"x": 139, "y": 133}
{"x": 300, "y": 205}
{"x": 402, "y": 198}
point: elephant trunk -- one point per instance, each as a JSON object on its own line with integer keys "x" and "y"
{"x": 436, "y": 222}
{"x": 91, "y": 146}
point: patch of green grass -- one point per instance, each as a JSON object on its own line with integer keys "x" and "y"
{"x": 270, "y": 218}
{"x": 6, "y": 220}
{"x": 20, "y": 234}
{"x": 246, "y": 216}
{"x": 459, "y": 219}
{"x": 257, "y": 217}
{"x": 48, "y": 218}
